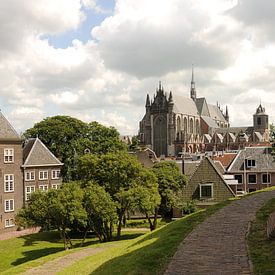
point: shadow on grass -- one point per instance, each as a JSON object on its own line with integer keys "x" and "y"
{"x": 151, "y": 254}
{"x": 35, "y": 254}
{"x": 49, "y": 236}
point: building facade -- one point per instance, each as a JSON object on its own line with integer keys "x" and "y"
{"x": 22, "y": 171}
{"x": 11, "y": 186}
{"x": 41, "y": 169}
{"x": 175, "y": 124}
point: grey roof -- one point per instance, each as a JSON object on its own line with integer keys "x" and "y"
{"x": 190, "y": 167}
{"x": 237, "y": 130}
{"x": 208, "y": 137}
{"x": 185, "y": 105}
{"x": 261, "y": 155}
{"x": 202, "y": 106}
{"x": 210, "y": 121}
{"x": 35, "y": 153}
{"x": 6, "y": 129}
{"x": 216, "y": 113}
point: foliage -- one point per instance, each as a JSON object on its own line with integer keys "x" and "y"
{"x": 101, "y": 211}
{"x": 58, "y": 209}
{"x": 69, "y": 137}
{"x": 170, "y": 185}
{"x": 123, "y": 177}
{"x": 134, "y": 146}
{"x": 261, "y": 249}
{"x": 189, "y": 207}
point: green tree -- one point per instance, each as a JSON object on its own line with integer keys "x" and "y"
{"x": 101, "y": 211}
{"x": 55, "y": 209}
{"x": 147, "y": 197}
{"x": 170, "y": 184}
{"x": 122, "y": 176}
{"x": 69, "y": 137}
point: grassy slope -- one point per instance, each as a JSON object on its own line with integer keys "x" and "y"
{"x": 148, "y": 254}
{"x": 262, "y": 250}
{"x": 19, "y": 254}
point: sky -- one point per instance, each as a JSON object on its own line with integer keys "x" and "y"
{"x": 97, "y": 60}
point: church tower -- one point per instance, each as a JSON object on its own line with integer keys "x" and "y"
{"x": 260, "y": 122}
{"x": 193, "y": 93}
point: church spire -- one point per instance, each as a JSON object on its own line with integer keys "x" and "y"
{"x": 193, "y": 92}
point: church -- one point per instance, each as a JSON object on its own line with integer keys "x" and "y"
{"x": 173, "y": 125}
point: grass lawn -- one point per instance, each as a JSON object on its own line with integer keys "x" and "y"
{"x": 148, "y": 254}
{"x": 19, "y": 254}
{"x": 143, "y": 223}
{"x": 262, "y": 249}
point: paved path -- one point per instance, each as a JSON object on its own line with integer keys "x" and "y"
{"x": 56, "y": 265}
{"x": 218, "y": 245}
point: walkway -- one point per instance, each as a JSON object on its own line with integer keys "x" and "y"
{"x": 56, "y": 265}
{"x": 218, "y": 245}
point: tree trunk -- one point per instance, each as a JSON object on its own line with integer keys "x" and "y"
{"x": 150, "y": 222}
{"x": 120, "y": 217}
{"x": 155, "y": 218}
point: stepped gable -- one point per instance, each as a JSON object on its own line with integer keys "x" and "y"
{"x": 37, "y": 154}
{"x": 7, "y": 132}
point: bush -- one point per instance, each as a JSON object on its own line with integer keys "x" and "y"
{"x": 190, "y": 207}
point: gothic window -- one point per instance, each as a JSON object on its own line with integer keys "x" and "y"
{"x": 259, "y": 121}
{"x": 197, "y": 127}
{"x": 178, "y": 124}
{"x": 191, "y": 130}
{"x": 185, "y": 124}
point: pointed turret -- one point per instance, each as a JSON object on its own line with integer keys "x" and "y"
{"x": 170, "y": 97}
{"x": 147, "y": 101}
{"x": 193, "y": 93}
{"x": 226, "y": 114}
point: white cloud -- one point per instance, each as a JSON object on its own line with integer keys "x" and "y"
{"x": 107, "y": 78}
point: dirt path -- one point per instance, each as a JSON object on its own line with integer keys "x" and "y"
{"x": 218, "y": 245}
{"x": 56, "y": 265}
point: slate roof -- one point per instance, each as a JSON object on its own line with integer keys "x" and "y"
{"x": 261, "y": 155}
{"x": 6, "y": 129}
{"x": 185, "y": 105}
{"x": 216, "y": 113}
{"x": 35, "y": 153}
{"x": 202, "y": 106}
{"x": 210, "y": 121}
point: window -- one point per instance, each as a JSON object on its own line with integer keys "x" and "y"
{"x": 43, "y": 175}
{"x": 9, "y": 205}
{"x": 55, "y": 186}
{"x": 9, "y": 182}
{"x": 250, "y": 163}
{"x": 55, "y": 174}
{"x": 252, "y": 178}
{"x": 43, "y": 187}
{"x": 259, "y": 121}
{"x": 206, "y": 191}
{"x": 29, "y": 176}
{"x": 266, "y": 178}
{"x": 29, "y": 190}
{"x": 9, "y": 223}
{"x": 8, "y": 155}
{"x": 239, "y": 178}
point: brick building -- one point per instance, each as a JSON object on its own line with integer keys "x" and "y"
{"x": 22, "y": 171}
{"x": 11, "y": 182}
{"x": 41, "y": 168}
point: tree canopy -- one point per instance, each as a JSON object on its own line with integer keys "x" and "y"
{"x": 68, "y": 137}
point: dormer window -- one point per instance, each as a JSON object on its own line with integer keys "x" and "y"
{"x": 250, "y": 163}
